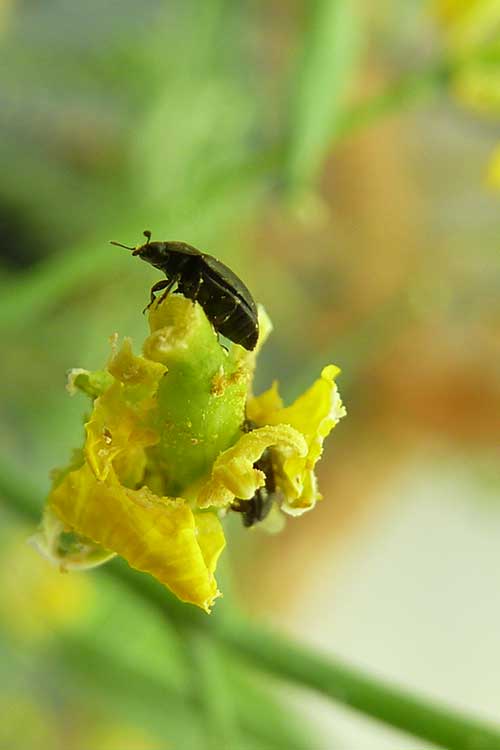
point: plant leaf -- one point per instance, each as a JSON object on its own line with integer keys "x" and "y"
{"x": 325, "y": 70}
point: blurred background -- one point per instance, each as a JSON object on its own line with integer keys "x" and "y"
{"x": 339, "y": 156}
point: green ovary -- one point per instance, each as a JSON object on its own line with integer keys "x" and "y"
{"x": 200, "y": 400}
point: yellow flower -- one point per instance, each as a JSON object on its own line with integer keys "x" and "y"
{"x": 174, "y": 442}
{"x": 471, "y": 31}
{"x": 294, "y": 433}
{"x": 468, "y": 23}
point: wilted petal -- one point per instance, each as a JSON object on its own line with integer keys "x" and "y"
{"x": 67, "y": 550}
{"x": 313, "y": 415}
{"x": 233, "y": 473}
{"x": 160, "y": 536}
{"x": 121, "y": 425}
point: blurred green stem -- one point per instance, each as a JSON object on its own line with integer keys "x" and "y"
{"x": 412, "y": 89}
{"x": 23, "y": 300}
{"x": 213, "y": 691}
{"x": 39, "y": 288}
{"x": 110, "y": 678}
{"x": 327, "y": 62}
{"x": 386, "y": 703}
{"x": 278, "y": 656}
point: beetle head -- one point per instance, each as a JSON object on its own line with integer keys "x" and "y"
{"x": 151, "y": 252}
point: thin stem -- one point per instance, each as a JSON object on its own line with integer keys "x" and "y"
{"x": 373, "y": 697}
{"x": 287, "y": 660}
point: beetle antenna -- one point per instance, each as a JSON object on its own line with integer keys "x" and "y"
{"x": 147, "y": 234}
{"x": 119, "y": 244}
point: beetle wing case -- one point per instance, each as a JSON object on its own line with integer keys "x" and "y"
{"x": 215, "y": 268}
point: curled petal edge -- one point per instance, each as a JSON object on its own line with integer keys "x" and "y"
{"x": 314, "y": 414}
{"x": 234, "y": 475}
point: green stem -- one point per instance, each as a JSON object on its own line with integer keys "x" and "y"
{"x": 112, "y": 680}
{"x": 277, "y": 655}
{"x": 287, "y": 660}
{"x": 39, "y": 288}
{"x": 386, "y": 703}
{"x": 212, "y": 691}
{"x": 19, "y": 496}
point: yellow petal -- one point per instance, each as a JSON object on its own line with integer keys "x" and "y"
{"x": 210, "y": 538}
{"x": 121, "y": 425}
{"x": 160, "y": 536}
{"x": 268, "y": 402}
{"x": 233, "y": 473}
{"x": 471, "y": 31}
{"x": 314, "y": 414}
{"x": 141, "y": 375}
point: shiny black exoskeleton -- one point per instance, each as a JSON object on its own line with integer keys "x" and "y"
{"x": 227, "y": 302}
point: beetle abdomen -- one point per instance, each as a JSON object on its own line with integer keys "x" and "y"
{"x": 228, "y": 313}
{"x": 240, "y": 327}
{"x": 222, "y": 274}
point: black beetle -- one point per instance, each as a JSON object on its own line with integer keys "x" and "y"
{"x": 258, "y": 507}
{"x": 227, "y": 303}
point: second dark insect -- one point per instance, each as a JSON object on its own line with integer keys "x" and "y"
{"x": 227, "y": 302}
{"x": 258, "y": 507}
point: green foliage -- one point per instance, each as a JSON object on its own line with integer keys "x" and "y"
{"x": 318, "y": 91}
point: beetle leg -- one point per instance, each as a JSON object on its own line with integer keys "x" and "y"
{"x": 156, "y": 288}
{"x": 238, "y": 507}
{"x": 163, "y": 284}
{"x": 197, "y": 288}
{"x": 168, "y": 288}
